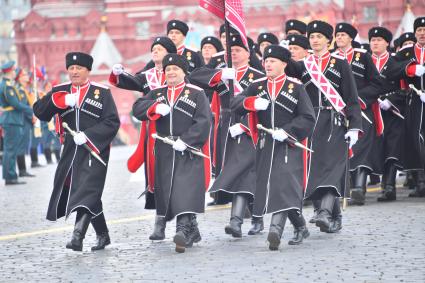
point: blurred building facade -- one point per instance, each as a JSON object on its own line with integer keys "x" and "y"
{"x": 120, "y": 31}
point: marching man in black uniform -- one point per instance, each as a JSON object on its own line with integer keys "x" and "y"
{"x": 293, "y": 26}
{"x": 330, "y": 85}
{"x": 89, "y": 111}
{"x": 280, "y": 105}
{"x": 144, "y": 82}
{"x": 366, "y": 158}
{"x": 415, "y": 76}
{"x": 183, "y": 119}
{"x": 265, "y": 39}
{"x": 177, "y": 31}
{"x": 234, "y": 144}
{"x": 392, "y": 104}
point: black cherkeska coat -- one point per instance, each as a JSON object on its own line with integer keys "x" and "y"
{"x": 281, "y": 168}
{"x": 235, "y": 156}
{"x": 79, "y": 178}
{"x": 327, "y": 165}
{"x": 181, "y": 178}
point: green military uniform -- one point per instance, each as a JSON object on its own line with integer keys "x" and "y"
{"x": 12, "y": 122}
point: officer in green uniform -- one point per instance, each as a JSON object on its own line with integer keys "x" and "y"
{"x": 12, "y": 122}
{"x": 22, "y": 82}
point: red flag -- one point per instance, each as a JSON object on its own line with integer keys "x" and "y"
{"x": 215, "y": 7}
{"x": 232, "y": 10}
{"x": 234, "y": 15}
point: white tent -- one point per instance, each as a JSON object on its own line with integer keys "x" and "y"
{"x": 104, "y": 52}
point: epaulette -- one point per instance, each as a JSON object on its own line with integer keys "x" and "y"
{"x": 295, "y": 80}
{"x": 99, "y": 85}
{"x": 259, "y": 80}
{"x": 337, "y": 56}
{"x": 361, "y": 50}
{"x": 218, "y": 54}
{"x": 194, "y": 86}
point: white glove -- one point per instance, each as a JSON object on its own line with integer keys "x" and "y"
{"x": 422, "y": 97}
{"x": 352, "y": 136}
{"x": 261, "y": 103}
{"x": 228, "y": 74}
{"x": 179, "y": 145}
{"x": 420, "y": 70}
{"x": 162, "y": 109}
{"x": 117, "y": 69}
{"x": 279, "y": 135}
{"x": 385, "y": 104}
{"x": 236, "y": 130}
{"x": 71, "y": 99}
{"x": 80, "y": 138}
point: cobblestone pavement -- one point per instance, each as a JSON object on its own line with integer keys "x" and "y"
{"x": 380, "y": 242}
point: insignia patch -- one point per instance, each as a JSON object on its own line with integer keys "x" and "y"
{"x": 96, "y": 93}
{"x": 291, "y": 85}
{"x": 74, "y": 57}
{"x": 260, "y": 87}
{"x": 218, "y": 60}
{"x": 250, "y": 77}
{"x": 186, "y": 92}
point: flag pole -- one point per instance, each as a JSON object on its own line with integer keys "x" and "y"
{"x": 228, "y": 51}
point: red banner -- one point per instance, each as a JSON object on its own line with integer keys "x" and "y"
{"x": 215, "y": 7}
{"x": 231, "y": 10}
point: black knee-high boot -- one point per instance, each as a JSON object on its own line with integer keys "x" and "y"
{"x": 359, "y": 186}
{"x": 300, "y": 229}
{"x": 336, "y": 223}
{"x": 419, "y": 189}
{"x": 236, "y": 218}
{"x": 182, "y": 238}
{"x": 388, "y": 192}
{"x": 158, "y": 229}
{"x": 82, "y": 222}
{"x": 324, "y": 216}
{"x": 316, "y": 206}
{"x": 277, "y": 224}
{"x": 102, "y": 233}
{"x": 256, "y": 222}
{"x": 195, "y": 235}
